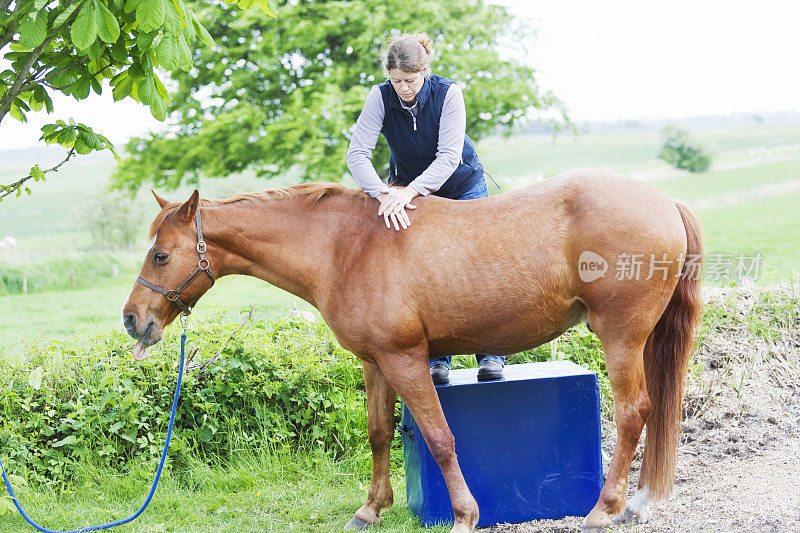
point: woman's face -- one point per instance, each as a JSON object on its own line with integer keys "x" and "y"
{"x": 407, "y": 84}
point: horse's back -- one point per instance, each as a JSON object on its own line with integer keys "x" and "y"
{"x": 500, "y": 274}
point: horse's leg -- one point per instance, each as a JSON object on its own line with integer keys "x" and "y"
{"x": 408, "y": 373}
{"x": 624, "y": 361}
{"x": 380, "y": 415}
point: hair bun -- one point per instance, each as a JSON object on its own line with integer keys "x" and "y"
{"x": 425, "y": 40}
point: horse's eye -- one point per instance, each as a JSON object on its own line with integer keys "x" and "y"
{"x": 160, "y": 257}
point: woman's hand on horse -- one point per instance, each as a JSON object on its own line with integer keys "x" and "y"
{"x": 393, "y": 206}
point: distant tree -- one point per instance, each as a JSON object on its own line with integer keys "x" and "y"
{"x": 284, "y": 95}
{"x": 73, "y": 46}
{"x": 680, "y": 151}
{"x": 112, "y": 219}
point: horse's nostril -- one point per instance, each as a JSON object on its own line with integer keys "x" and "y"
{"x": 129, "y": 321}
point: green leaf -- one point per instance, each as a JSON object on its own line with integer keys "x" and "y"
{"x": 35, "y": 378}
{"x": 113, "y": 150}
{"x": 38, "y": 175}
{"x": 188, "y": 28}
{"x": 145, "y": 40}
{"x": 84, "y": 30}
{"x": 268, "y": 7}
{"x": 150, "y": 14}
{"x": 64, "y": 15}
{"x": 67, "y": 137}
{"x": 48, "y": 103}
{"x": 17, "y": 113}
{"x": 184, "y": 53}
{"x": 96, "y": 87}
{"x": 119, "y": 51}
{"x": 6, "y": 505}
{"x": 81, "y": 147}
{"x": 167, "y": 52}
{"x": 108, "y": 379}
{"x": 131, "y": 5}
{"x": 80, "y": 89}
{"x": 69, "y": 439}
{"x": 161, "y": 89}
{"x": 109, "y": 27}
{"x": 122, "y": 87}
{"x": 158, "y": 108}
{"x": 17, "y": 481}
{"x": 205, "y": 37}
{"x": 39, "y": 4}
{"x": 173, "y": 21}
{"x": 180, "y": 10}
{"x": 96, "y": 50}
{"x": 33, "y": 31}
{"x": 39, "y": 93}
{"x": 146, "y": 89}
{"x": 90, "y": 139}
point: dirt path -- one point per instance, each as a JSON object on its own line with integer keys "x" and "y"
{"x": 739, "y": 458}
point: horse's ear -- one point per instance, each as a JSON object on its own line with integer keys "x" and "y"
{"x": 162, "y": 202}
{"x": 188, "y": 210}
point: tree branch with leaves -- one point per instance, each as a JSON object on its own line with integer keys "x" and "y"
{"x": 75, "y": 46}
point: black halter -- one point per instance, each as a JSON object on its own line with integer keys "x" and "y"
{"x": 202, "y": 266}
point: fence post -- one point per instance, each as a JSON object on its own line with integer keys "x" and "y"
{"x": 114, "y": 270}
{"x": 24, "y": 283}
{"x": 72, "y": 278}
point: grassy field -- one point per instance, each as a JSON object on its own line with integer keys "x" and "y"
{"x": 747, "y": 203}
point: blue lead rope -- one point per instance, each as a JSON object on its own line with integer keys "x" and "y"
{"x": 155, "y": 482}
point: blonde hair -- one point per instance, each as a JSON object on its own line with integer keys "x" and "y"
{"x": 409, "y": 53}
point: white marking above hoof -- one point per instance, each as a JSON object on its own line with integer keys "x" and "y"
{"x": 638, "y": 509}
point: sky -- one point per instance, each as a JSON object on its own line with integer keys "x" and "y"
{"x": 606, "y": 60}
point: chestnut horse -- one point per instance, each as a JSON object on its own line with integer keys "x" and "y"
{"x": 494, "y": 275}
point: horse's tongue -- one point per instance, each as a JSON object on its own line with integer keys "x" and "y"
{"x": 139, "y": 351}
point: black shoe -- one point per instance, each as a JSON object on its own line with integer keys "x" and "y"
{"x": 440, "y": 374}
{"x": 490, "y": 370}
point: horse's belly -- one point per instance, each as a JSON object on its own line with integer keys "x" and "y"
{"x": 504, "y": 334}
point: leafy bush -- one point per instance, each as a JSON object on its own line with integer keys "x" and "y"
{"x": 682, "y": 152}
{"x": 85, "y": 399}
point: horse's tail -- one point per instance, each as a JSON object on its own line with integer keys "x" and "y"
{"x": 666, "y": 358}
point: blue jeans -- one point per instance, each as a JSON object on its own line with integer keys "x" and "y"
{"x": 478, "y": 191}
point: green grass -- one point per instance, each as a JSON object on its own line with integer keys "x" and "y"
{"x": 768, "y": 226}
{"x": 259, "y": 491}
{"x": 692, "y": 187}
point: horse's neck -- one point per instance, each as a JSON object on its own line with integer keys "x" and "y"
{"x": 283, "y": 242}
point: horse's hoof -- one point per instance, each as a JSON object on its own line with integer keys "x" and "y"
{"x": 357, "y": 524}
{"x": 629, "y": 516}
{"x": 603, "y": 528}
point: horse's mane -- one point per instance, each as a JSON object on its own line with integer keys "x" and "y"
{"x": 310, "y": 193}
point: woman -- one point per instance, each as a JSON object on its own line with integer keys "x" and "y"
{"x": 423, "y": 118}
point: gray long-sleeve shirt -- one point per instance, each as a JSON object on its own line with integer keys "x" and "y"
{"x": 452, "y": 128}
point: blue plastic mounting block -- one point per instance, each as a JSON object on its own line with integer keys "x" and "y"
{"x": 528, "y": 445}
